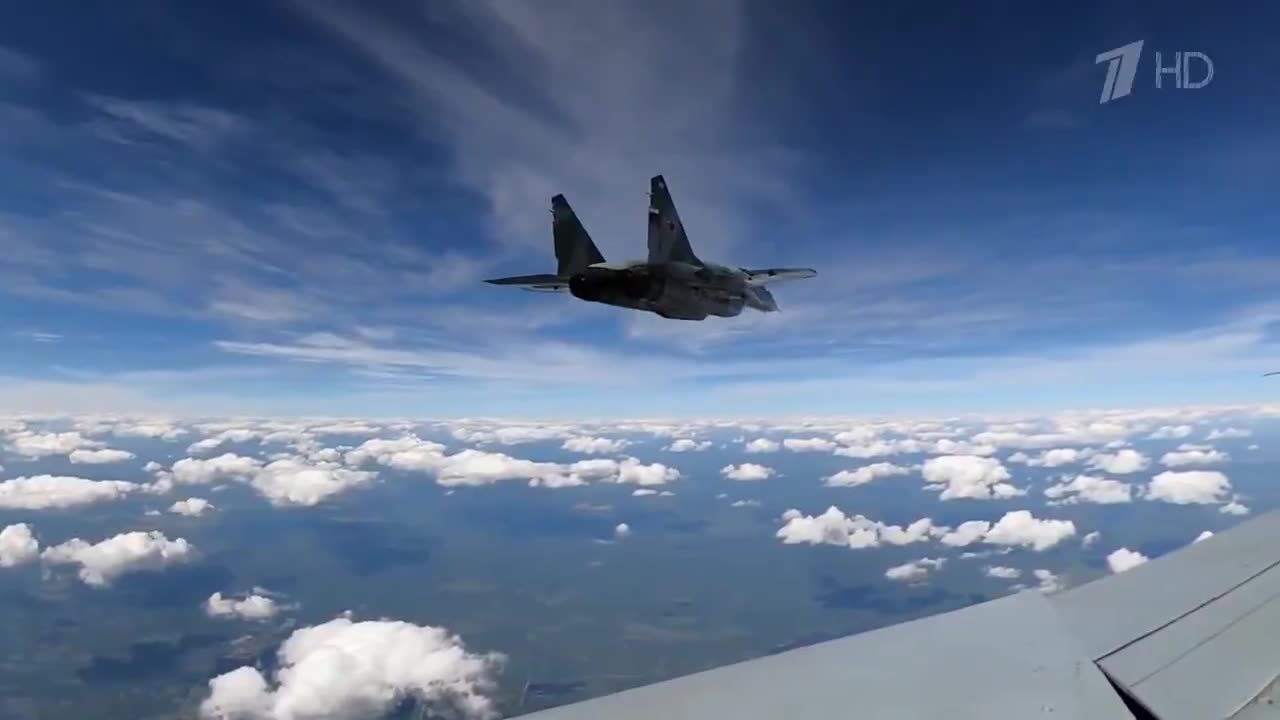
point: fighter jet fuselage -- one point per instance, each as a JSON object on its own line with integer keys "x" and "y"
{"x": 673, "y": 282}
{"x": 673, "y": 290}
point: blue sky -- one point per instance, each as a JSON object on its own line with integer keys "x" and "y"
{"x": 288, "y": 209}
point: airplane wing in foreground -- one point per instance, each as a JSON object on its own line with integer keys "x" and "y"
{"x": 1188, "y": 636}
{"x": 535, "y": 283}
{"x": 768, "y": 275}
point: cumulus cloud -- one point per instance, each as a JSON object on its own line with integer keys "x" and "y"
{"x": 153, "y": 429}
{"x": 1203, "y": 536}
{"x": 1125, "y": 559}
{"x": 1049, "y": 583}
{"x": 914, "y": 571}
{"x": 230, "y": 435}
{"x": 228, "y": 466}
{"x": 39, "y": 445}
{"x": 1229, "y": 433}
{"x": 1064, "y": 431}
{"x": 285, "y": 481}
{"x": 813, "y": 444}
{"x": 881, "y": 448}
{"x": 632, "y": 471}
{"x": 969, "y": 476}
{"x": 346, "y": 427}
{"x": 1056, "y": 457}
{"x": 513, "y": 434}
{"x": 191, "y": 507}
{"x": 294, "y": 481}
{"x": 1021, "y": 528}
{"x": 1090, "y": 539}
{"x": 833, "y": 527}
{"x": 344, "y": 670}
{"x": 745, "y": 503}
{"x": 947, "y": 446}
{"x": 479, "y": 467}
{"x": 102, "y": 563}
{"x": 1171, "y": 432}
{"x": 690, "y": 445}
{"x": 746, "y": 471}
{"x": 251, "y": 607}
{"x": 762, "y": 445}
{"x": 44, "y": 492}
{"x": 99, "y": 457}
{"x": 1193, "y": 487}
{"x": 1090, "y": 489}
{"x": 1004, "y": 573}
{"x": 966, "y": 533}
{"x": 623, "y": 530}
{"x": 1015, "y": 528}
{"x": 18, "y": 545}
{"x": 594, "y": 445}
{"x": 865, "y": 474}
{"x": 1121, "y": 462}
{"x": 1235, "y": 507}
{"x": 1187, "y": 455}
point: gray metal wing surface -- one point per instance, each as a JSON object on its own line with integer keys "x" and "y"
{"x": 1194, "y": 634}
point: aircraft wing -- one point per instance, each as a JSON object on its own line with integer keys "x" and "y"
{"x": 768, "y": 275}
{"x": 534, "y": 283}
{"x": 1190, "y": 635}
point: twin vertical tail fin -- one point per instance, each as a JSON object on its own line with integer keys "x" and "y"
{"x": 667, "y": 239}
{"x": 575, "y": 251}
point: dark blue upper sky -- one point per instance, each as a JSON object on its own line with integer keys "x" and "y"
{"x": 287, "y": 207}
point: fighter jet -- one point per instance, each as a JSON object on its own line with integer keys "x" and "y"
{"x": 673, "y": 282}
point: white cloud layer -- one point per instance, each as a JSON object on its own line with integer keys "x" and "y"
{"x": 99, "y": 457}
{"x": 1021, "y": 528}
{"x": 44, "y": 492}
{"x": 914, "y": 571}
{"x": 191, "y": 507}
{"x": 103, "y": 562}
{"x": 1017, "y": 528}
{"x": 18, "y": 545}
{"x": 813, "y": 444}
{"x": 1121, "y": 462}
{"x": 1090, "y": 489}
{"x": 1171, "y": 432}
{"x": 344, "y": 670}
{"x": 39, "y": 445}
{"x": 833, "y": 527}
{"x": 1193, "y": 456}
{"x": 865, "y": 474}
{"x": 747, "y": 472}
{"x": 595, "y": 445}
{"x": 1125, "y": 559}
{"x": 762, "y": 445}
{"x": 1229, "y": 433}
{"x": 298, "y": 482}
{"x": 969, "y": 476}
{"x": 479, "y": 467}
{"x": 227, "y": 466}
{"x": 253, "y": 607}
{"x": 1193, "y": 487}
{"x": 1056, "y": 457}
